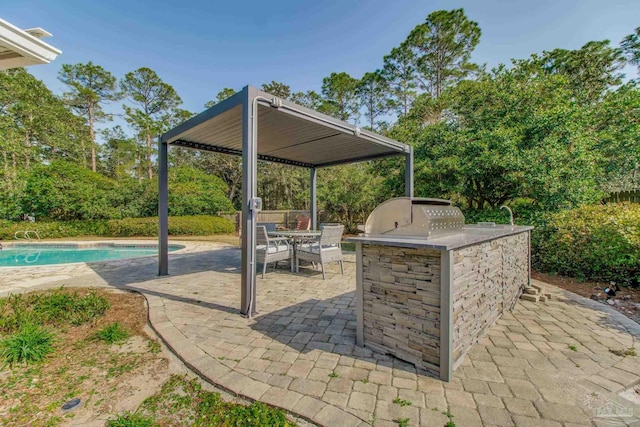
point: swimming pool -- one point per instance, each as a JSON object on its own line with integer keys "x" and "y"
{"x": 26, "y": 254}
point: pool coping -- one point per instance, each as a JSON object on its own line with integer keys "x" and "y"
{"x": 80, "y": 245}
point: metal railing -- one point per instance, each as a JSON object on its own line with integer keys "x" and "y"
{"x": 25, "y": 235}
{"x": 285, "y": 218}
{"x": 624, "y": 196}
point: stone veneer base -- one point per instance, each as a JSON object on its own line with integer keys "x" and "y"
{"x": 427, "y": 306}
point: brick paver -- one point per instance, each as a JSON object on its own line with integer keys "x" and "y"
{"x": 299, "y": 352}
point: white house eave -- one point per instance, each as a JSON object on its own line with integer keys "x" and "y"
{"x": 19, "y": 48}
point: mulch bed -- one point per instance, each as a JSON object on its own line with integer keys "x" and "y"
{"x": 626, "y": 301}
{"x": 98, "y": 373}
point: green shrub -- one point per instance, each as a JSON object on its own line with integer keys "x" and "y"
{"x": 66, "y": 191}
{"x": 595, "y": 242}
{"x": 65, "y": 307}
{"x": 194, "y": 192}
{"x": 30, "y": 344}
{"x": 57, "y": 308}
{"x": 55, "y": 229}
{"x": 112, "y": 333}
{"x": 200, "y": 225}
{"x": 130, "y": 419}
{"x": 133, "y": 227}
{"x": 524, "y": 213}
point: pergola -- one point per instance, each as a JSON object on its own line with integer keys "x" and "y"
{"x": 259, "y": 126}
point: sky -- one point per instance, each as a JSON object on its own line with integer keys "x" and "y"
{"x": 203, "y": 46}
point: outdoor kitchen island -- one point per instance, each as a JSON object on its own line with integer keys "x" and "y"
{"x": 429, "y": 287}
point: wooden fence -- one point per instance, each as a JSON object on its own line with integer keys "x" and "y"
{"x": 286, "y": 219}
{"x": 624, "y": 196}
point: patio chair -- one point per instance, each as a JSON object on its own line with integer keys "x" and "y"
{"x": 325, "y": 249}
{"x": 304, "y": 223}
{"x": 270, "y": 226}
{"x": 270, "y": 249}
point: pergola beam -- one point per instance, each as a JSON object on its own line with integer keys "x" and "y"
{"x": 273, "y": 159}
{"x": 224, "y": 150}
{"x": 357, "y": 160}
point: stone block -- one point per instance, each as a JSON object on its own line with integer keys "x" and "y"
{"x": 308, "y": 406}
{"x": 561, "y": 413}
{"x": 495, "y": 416}
{"x": 460, "y": 398}
{"x": 333, "y": 416}
{"x": 488, "y": 400}
{"x": 362, "y": 401}
{"x": 281, "y": 398}
{"x": 520, "y": 407}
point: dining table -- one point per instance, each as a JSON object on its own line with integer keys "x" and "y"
{"x": 296, "y": 237}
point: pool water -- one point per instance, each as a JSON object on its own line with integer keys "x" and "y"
{"x": 30, "y": 255}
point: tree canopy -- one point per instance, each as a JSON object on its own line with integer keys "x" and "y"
{"x": 554, "y": 130}
{"x": 90, "y": 86}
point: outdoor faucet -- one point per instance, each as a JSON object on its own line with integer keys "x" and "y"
{"x": 510, "y": 214}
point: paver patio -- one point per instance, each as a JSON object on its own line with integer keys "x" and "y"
{"x": 299, "y": 352}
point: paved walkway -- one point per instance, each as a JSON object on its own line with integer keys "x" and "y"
{"x": 545, "y": 364}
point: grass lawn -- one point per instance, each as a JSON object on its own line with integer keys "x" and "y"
{"x": 183, "y": 401}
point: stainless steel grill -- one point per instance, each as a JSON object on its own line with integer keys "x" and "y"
{"x": 414, "y": 217}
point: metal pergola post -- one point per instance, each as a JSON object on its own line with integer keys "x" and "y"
{"x": 249, "y": 195}
{"x": 408, "y": 173}
{"x": 313, "y": 207}
{"x": 309, "y": 139}
{"x": 163, "y": 209}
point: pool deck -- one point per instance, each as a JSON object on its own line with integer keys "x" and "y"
{"x": 299, "y": 352}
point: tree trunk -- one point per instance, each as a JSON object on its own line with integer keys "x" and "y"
{"x": 139, "y": 161}
{"x": 82, "y": 153}
{"x": 92, "y": 136}
{"x": 5, "y": 163}
{"x": 371, "y": 112}
{"x": 149, "y": 165}
{"x": 438, "y": 72}
{"x": 232, "y": 192}
{"x": 405, "y": 98}
{"x": 27, "y": 144}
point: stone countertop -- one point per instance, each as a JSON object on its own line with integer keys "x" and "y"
{"x": 470, "y": 235}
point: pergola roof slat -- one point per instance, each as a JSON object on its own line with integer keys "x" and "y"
{"x": 288, "y": 133}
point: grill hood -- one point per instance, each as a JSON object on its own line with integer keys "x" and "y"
{"x": 417, "y": 217}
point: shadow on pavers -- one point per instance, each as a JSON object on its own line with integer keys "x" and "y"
{"x": 327, "y": 325}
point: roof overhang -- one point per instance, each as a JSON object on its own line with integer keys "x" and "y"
{"x": 21, "y": 48}
{"x": 286, "y": 133}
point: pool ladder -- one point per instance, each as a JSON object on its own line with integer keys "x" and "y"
{"x": 26, "y": 235}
